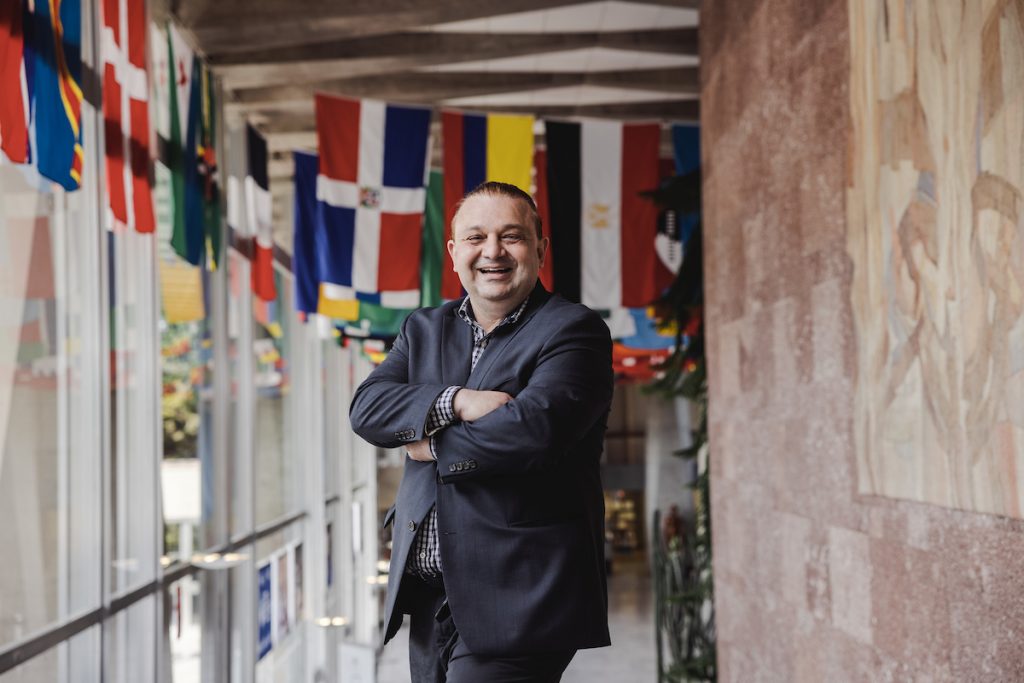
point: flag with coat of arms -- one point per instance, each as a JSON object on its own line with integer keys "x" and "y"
{"x": 371, "y": 192}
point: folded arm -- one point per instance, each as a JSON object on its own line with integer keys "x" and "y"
{"x": 388, "y": 410}
{"x": 569, "y": 391}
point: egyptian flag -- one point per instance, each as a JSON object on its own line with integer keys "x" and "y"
{"x": 13, "y": 83}
{"x": 596, "y": 172}
{"x": 372, "y": 191}
{"x": 259, "y": 209}
{"x": 57, "y": 74}
{"x": 481, "y": 148}
{"x": 126, "y": 114}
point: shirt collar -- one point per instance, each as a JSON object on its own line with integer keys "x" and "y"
{"x": 466, "y": 313}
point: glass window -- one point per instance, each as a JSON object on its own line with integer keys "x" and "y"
{"x": 76, "y": 661}
{"x": 277, "y": 469}
{"x": 240, "y": 398}
{"x": 135, "y": 443}
{"x": 280, "y": 600}
{"x": 49, "y": 380}
{"x": 182, "y": 631}
{"x": 130, "y": 643}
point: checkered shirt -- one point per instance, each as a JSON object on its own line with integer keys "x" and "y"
{"x": 426, "y": 558}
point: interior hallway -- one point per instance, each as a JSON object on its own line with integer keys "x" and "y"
{"x": 630, "y": 659}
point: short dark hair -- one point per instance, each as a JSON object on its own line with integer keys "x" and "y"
{"x": 493, "y": 187}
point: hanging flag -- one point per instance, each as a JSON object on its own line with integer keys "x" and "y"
{"x": 207, "y": 158}
{"x": 371, "y": 188}
{"x": 181, "y": 289}
{"x": 259, "y": 209}
{"x": 540, "y": 196}
{"x": 13, "y": 83}
{"x": 596, "y": 172}
{"x": 57, "y": 39}
{"x": 183, "y": 148}
{"x": 304, "y": 257}
{"x": 358, "y": 318}
{"x": 126, "y": 114}
{"x": 434, "y": 238}
{"x": 237, "y": 162}
{"x": 481, "y": 148}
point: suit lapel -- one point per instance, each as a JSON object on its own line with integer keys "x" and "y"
{"x": 456, "y": 350}
{"x": 504, "y": 336}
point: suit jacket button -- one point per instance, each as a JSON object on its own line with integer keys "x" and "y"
{"x": 472, "y": 464}
{"x": 412, "y": 525}
{"x": 451, "y": 468}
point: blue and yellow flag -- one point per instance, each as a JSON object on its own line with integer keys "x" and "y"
{"x": 57, "y": 38}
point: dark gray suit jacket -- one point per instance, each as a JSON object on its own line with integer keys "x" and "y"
{"x": 520, "y": 508}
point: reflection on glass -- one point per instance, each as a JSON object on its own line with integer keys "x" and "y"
{"x": 277, "y": 471}
{"x": 134, "y": 413}
{"x": 28, "y": 409}
{"x": 183, "y": 630}
{"x": 130, "y": 648}
{"x": 49, "y": 430}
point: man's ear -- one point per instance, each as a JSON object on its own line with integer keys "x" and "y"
{"x": 542, "y": 249}
{"x": 451, "y": 252}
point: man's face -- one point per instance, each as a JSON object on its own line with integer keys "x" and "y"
{"x": 495, "y": 249}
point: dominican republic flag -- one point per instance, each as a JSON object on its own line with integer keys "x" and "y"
{"x": 371, "y": 190}
{"x": 481, "y": 148}
{"x": 596, "y": 171}
{"x": 57, "y": 94}
{"x": 13, "y": 82}
{"x": 259, "y": 210}
{"x": 126, "y": 114}
{"x": 358, "y": 318}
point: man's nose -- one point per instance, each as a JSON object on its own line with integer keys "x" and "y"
{"x": 493, "y": 247}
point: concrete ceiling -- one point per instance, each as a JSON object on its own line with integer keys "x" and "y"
{"x": 551, "y": 58}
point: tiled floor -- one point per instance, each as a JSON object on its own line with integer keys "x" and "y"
{"x": 630, "y": 659}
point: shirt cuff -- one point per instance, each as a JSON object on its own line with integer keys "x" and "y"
{"x": 442, "y": 413}
{"x": 433, "y": 450}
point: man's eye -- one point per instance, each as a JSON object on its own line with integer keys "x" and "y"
{"x": 474, "y": 238}
{"x": 513, "y": 238}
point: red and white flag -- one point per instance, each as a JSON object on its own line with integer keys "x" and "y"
{"x": 126, "y": 114}
{"x": 259, "y": 209}
{"x": 13, "y": 86}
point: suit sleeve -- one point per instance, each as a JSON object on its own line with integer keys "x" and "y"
{"x": 569, "y": 391}
{"x": 388, "y": 410}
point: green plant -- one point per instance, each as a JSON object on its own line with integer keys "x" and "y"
{"x": 684, "y": 585}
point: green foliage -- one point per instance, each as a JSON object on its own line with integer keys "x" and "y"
{"x": 180, "y": 402}
{"x": 684, "y": 585}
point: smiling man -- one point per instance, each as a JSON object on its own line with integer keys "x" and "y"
{"x": 500, "y": 400}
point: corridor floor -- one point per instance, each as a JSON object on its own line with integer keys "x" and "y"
{"x": 630, "y": 659}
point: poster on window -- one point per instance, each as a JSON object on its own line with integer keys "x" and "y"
{"x": 298, "y": 613}
{"x": 283, "y": 619}
{"x": 264, "y": 610}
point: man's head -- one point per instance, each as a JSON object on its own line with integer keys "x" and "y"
{"x": 497, "y": 245}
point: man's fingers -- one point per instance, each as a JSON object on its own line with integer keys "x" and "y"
{"x": 470, "y": 405}
{"x": 420, "y": 450}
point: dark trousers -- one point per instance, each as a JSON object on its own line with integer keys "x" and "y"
{"x": 438, "y": 655}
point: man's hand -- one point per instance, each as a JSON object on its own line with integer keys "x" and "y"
{"x": 420, "y": 450}
{"x": 470, "y": 405}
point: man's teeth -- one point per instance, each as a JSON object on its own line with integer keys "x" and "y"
{"x": 494, "y": 270}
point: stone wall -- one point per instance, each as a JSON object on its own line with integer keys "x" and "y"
{"x": 815, "y": 581}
